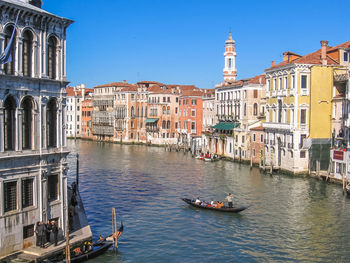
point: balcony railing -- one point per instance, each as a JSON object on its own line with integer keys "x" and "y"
{"x": 151, "y": 129}
{"x": 277, "y": 125}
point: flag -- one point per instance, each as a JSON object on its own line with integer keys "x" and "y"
{"x": 6, "y": 56}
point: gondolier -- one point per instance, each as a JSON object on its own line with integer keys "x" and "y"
{"x": 229, "y": 199}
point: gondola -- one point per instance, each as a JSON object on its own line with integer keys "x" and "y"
{"x": 97, "y": 248}
{"x": 235, "y": 209}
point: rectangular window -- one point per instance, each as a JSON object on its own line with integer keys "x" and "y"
{"x": 27, "y": 192}
{"x": 261, "y": 138}
{"x": 164, "y": 99}
{"x": 193, "y": 125}
{"x": 193, "y": 113}
{"x": 280, "y": 84}
{"x": 255, "y": 94}
{"x": 177, "y": 100}
{"x": 302, "y": 154}
{"x": 346, "y": 56}
{"x": 175, "y": 110}
{"x": 132, "y": 97}
{"x": 10, "y": 196}
{"x": 52, "y": 187}
{"x": 254, "y": 138}
{"x": 242, "y": 139}
{"x": 303, "y": 81}
{"x": 303, "y": 116}
{"x": 28, "y": 231}
{"x": 168, "y": 99}
{"x": 194, "y": 102}
{"x": 274, "y": 84}
{"x": 254, "y": 152}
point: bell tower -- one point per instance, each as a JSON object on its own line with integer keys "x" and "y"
{"x": 230, "y": 71}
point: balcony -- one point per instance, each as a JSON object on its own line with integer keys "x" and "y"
{"x": 277, "y": 126}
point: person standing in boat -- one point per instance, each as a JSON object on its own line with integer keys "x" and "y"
{"x": 229, "y": 199}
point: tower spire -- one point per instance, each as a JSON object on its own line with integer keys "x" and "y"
{"x": 230, "y": 71}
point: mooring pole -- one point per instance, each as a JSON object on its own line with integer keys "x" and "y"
{"x": 77, "y": 175}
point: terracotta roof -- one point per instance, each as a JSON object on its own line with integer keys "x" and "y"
{"x": 343, "y": 45}
{"x": 314, "y": 57}
{"x": 115, "y": 84}
{"x": 130, "y": 88}
{"x": 260, "y": 128}
{"x": 71, "y": 93}
{"x": 192, "y": 93}
{"x": 149, "y": 82}
{"x": 260, "y": 79}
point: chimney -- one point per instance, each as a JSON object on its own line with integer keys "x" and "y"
{"x": 324, "y": 44}
{"x": 273, "y": 63}
{"x": 124, "y": 81}
{"x": 285, "y": 56}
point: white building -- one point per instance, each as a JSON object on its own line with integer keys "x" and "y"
{"x": 75, "y": 96}
{"x": 33, "y": 165}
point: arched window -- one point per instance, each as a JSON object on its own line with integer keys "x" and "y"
{"x": 255, "y": 109}
{"x": 132, "y": 112}
{"x": 27, "y": 53}
{"x": 51, "y": 58}
{"x": 168, "y": 125}
{"x": 9, "y": 123}
{"x": 168, "y": 110}
{"x": 245, "y": 109}
{"x": 51, "y": 123}
{"x": 10, "y": 66}
{"x": 163, "y": 124}
{"x": 27, "y": 120}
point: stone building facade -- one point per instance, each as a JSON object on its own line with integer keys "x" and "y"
{"x": 33, "y": 166}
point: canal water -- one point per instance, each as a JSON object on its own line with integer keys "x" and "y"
{"x": 289, "y": 219}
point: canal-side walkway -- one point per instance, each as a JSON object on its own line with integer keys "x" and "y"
{"x": 80, "y": 232}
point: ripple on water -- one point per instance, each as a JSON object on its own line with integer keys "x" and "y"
{"x": 289, "y": 219}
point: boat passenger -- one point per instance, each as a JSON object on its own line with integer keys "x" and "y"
{"x": 220, "y": 204}
{"x": 212, "y": 202}
{"x": 198, "y": 201}
{"x": 203, "y": 203}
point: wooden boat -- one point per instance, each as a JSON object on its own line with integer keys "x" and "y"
{"x": 235, "y": 209}
{"x": 97, "y": 248}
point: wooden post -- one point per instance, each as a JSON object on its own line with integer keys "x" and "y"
{"x": 343, "y": 182}
{"x": 67, "y": 238}
{"x": 114, "y": 228}
{"x": 77, "y": 175}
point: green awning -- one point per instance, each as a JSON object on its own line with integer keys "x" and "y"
{"x": 151, "y": 120}
{"x": 226, "y": 126}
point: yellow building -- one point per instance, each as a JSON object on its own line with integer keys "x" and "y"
{"x": 299, "y": 93}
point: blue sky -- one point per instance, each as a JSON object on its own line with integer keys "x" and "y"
{"x": 182, "y": 41}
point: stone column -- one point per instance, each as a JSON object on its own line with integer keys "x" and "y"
{"x": 43, "y": 194}
{"x": 36, "y": 130}
{"x": 64, "y": 62}
{"x": 19, "y": 68}
{"x": 58, "y": 62}
{"x": 59, "y": 125}
{"x": 1, "y": 130}
{"x": 2, "y": 49}
{"x": 64, "y": 194}
{"x": 35, "y": 60}
{"x": 19, "y": 129}
{"x": 43, "y": 54}
{"x": 43, "y": 123}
